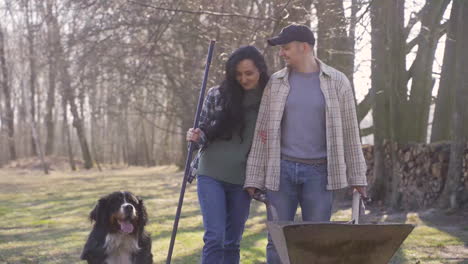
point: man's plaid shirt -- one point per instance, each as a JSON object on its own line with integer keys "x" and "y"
{"x": 346, "y": 164}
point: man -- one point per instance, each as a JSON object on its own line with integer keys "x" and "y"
{"x": 306, "y": 141}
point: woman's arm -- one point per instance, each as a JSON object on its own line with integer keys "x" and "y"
{"x": 198, "y": 135}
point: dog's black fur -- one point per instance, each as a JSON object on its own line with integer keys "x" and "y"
{"x": 118, "y": 234}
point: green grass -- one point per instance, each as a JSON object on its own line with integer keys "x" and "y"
{"x": 44, "y": 219}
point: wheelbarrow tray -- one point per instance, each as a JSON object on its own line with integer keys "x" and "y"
{"x": 337, "y": 242}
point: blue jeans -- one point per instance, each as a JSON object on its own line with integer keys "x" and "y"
{"x": 225, "y": 209}
{"x": 304, "y": 185}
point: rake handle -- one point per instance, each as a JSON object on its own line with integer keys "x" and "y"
{"x": 189, "y": 154}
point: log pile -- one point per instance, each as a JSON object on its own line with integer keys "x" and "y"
{"x": 422, "y": 169}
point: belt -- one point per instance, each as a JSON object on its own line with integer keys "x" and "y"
{"x": 305, "y": 161}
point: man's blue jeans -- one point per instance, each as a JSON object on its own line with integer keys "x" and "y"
{"x": 304, "y": 185}
{"x": 225, "y": 209}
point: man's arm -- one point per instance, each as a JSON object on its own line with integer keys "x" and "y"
{"x": 354, "y": 157}
{"x": 256, "y": 162}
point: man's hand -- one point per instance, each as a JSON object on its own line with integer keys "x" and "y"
{"x": 251, "y": 191}
{"x": 362, "y": 190}
{"x": 257, "y": 194}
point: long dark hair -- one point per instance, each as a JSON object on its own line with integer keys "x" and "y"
{"x": 231, "y": 118}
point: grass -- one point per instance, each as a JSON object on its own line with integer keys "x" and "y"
{"x": 44, "y": 219}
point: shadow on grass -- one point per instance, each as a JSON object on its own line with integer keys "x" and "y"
{"x": 393, "y": 217}
{"x": 55, "y": 220}
{"x": 43, "y": 235}
{"x": 249, "y": 250}
{"x": 41, "y": 246}
{"x": 251, "y": 244}
{"x": 456, "y": 225}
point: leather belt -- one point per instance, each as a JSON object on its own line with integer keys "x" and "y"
{"x": 305, "y": 161}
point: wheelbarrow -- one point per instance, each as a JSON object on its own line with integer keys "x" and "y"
{"x": 336, "y": 242}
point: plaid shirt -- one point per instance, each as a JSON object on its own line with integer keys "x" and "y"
{"x": 211, "y": 105}
{"x": 346, "y": 164}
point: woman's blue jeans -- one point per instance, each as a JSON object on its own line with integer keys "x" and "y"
{"x": 225, "y": 209}
{"x": 304, "y": 185}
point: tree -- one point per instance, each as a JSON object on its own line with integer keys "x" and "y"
{"x": 52, "y": 40}
{"x": 28, "y": 15}
{"x": 69, "y": 97}
{"x": 334, "y": 46}
{"x": 9, "y": 113}
{"x": 388, "y": 92}
{"x": 441, "y": 124}
{"x": 451, "y": 194}
{"x": 420, "y": 72}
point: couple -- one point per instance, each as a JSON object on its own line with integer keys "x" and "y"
{"x": 294, "y": 135}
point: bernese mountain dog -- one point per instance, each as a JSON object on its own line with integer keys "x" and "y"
{"x": 118, "y": 235}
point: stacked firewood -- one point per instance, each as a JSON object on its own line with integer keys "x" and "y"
{"x": 422, "y": 169}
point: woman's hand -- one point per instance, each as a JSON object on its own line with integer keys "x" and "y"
{"x": 193, "y": 135}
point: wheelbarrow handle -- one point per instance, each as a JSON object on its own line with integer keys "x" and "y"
{"x": 358, "y": 206}
{"x": 261, "y": 196}
{"x": 355, "y": 207}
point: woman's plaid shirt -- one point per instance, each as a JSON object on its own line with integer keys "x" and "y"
{"x": 211, "y": 105}
{"x": 346, "y": 164}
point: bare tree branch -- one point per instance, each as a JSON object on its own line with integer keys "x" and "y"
{"x": 410, "y": 45}
{"x": 210, "y": 13}
{"x": 367, "y": 131}
{"x": 414, "y": 19}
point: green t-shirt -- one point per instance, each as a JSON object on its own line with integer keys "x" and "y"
{"x": 225, "y": 160}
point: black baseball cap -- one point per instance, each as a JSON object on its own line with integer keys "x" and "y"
{"x": 293, "y": 33}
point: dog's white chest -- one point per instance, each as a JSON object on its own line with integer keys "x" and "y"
{"x": 119, "y": 258}
{"x": 119, "y": 248}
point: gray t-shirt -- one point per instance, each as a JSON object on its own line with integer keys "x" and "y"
{"x": 303, "y": 131}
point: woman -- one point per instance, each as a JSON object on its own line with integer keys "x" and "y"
{"x": 227, "y": 124}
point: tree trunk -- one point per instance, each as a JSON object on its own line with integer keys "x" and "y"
{"x": 32, "y": 72}
{"x": 9, "y": 113}
{"x": 35, "y": 137}
{"x": 37, "y": 142}
{"x": 80, "y": 130}
{"x": 144, "y": 145}
{"x": 66, "y": 132}
{"x": 441, "y": 124}
{"x": 421, "y": 71}
{"x": 380, "y": 95}
{"x": 70, "y": 98}
{"x": 451, "y": 193}
{"x": 333, "y": 45}
{"x": 125, "y": 136}
{"x": 388, "y": 64}
{"x": 272, "y": 59}
{"x": 52, "y": 25}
